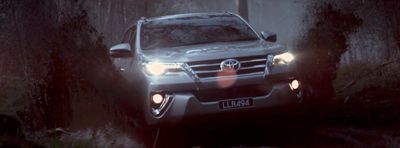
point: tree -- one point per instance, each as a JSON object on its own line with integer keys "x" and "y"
{"x": 243, "y": 9}
{"x": 322, "y": 46}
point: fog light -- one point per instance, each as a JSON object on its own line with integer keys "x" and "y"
{"x": 294, "y": 84}
{"x": 157, "y": 98}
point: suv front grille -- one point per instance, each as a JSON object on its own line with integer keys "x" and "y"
{"x": 212, "y": 68}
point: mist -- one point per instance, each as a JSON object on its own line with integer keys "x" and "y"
{"x": 58, "y": 86}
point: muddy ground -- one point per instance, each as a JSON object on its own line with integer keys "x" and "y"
{"x": 335, "y": 124}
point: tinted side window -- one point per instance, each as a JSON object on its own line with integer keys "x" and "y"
{"x": 129, "y": 35}
{"x": 132, "y": 38}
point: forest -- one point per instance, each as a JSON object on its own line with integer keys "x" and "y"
{"x": 58, "y": 87}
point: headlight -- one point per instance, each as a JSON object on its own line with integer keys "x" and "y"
{"x": 283, "y": 58}
{"x": 156, "y": 68}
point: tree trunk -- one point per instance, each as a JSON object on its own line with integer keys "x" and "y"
{"x": 244, "y": 9}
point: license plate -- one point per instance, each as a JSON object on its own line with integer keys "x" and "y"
{"x": 236, "y": 103}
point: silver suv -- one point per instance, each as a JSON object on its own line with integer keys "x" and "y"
{"x": 188, "y": 65}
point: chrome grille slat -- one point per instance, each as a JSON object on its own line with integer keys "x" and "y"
{"x": 207, "y": 71}
{"x": 255, "y": 60}
{"x": 247, "y": 74}
{"x": 204, "y": 65}
{"x": 211, "y": 68}
{"x": 242, "y": 68}
{"x": 256, "y": 66}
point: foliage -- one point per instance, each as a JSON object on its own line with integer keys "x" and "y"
{"x": 53, "y": 61}
{"x": 320, "y": 51}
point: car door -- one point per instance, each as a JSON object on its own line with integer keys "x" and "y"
{"x": 125, "y": 64}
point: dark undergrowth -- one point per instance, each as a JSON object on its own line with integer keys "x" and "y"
{"x": 320, "y": 49}
{"x": 55, "y": 74}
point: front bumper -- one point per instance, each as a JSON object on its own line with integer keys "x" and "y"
{"x": 185, "y": 105}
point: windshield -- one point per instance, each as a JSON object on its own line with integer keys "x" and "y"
{"x": 194, "y": 30}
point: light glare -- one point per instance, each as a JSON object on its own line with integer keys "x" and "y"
{"x": 284, "y": 58}
{"x": 157, "y": 98}
{"x": 287, "y": 57}
{"x": 155, "y": 68}
{"x": 295, "y": 84}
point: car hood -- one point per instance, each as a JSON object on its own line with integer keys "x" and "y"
{"x": 212, "y": 51}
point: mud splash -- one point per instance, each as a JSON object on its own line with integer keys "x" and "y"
{"x": 320, "y": 50}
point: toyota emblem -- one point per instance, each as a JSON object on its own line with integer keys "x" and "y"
{"x": 230, "y": 65}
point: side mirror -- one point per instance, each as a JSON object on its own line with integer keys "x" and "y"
{"x": 268, "y": 36}
{"x": 121, "y": 50}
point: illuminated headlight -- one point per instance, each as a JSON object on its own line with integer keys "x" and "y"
{"x": 156, "y": 68}
{"x": 284, "y": 58}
